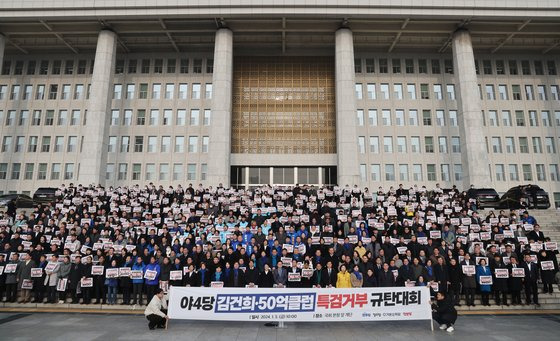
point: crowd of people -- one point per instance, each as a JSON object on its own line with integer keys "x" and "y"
{"x": 93, "y": 243}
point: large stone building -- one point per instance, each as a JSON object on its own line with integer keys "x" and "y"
{"x": 296, "y": 91}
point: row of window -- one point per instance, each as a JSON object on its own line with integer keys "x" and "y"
{"x": 516, "y": 93}
{"x": 26, "y": 92}
{"x": 403, "y": 147}
{"x": 452, "y": 172}
{"x": 402, "y": 171}
{"x": 124, "y": 117}
{"x": 399, "y": 119}
{"x": 169, "y": 88}
{"x": 200, "y": 65}
{"x": 41, "y": 172}
{"x": 435, "y": 66}
{"x": 510, "y": 146}
{"x": 397, "y": 92}
{"x": 527, "y": 172}
{"x": 152, "y": 144}
{"x": 65, "y": 91}
{"x": 157, "y": 172}
{"x": 166, "y": 117}
{"x": 491, "y": 119}
{"x": 58, "y": 146}
{"x": 122, "y": 172}
{"x": 131, "y": 66}
{"x": 442, "y": 144}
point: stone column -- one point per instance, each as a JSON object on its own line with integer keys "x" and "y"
{"x": 474, "y": 156}
{"x": 220, "y": 127}
{"x": 2, "y": 47}
{"x": 96, "y": 131}
{"x": 346, "y": 140}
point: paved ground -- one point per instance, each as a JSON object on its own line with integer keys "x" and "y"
{"x": 60, "y": 326}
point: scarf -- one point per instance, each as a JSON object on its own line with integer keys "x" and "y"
{"x": 358, "y": 275}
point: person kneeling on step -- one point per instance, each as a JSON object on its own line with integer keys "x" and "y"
{"x": 156, "y": 311}
{"x": 444, "y": 312}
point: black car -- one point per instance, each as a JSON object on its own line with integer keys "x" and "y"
{"x": 19, "y": 200}
{"x": 45, "y": 195}
{"x": 485, "y": 197}
{"x": 525, "y": 196}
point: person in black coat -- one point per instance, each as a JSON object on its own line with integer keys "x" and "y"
{"x": 203, "y": 276}
{"x": 3, "y": 277}
{"x": 125, "y": 283}
{"x": 316, "y": 279}
{"x": 536, "y": 235}
{"x": 266, "y": 280}
{"x": 177, "y": 266}
{"x": 455, "y": 277}
{"x": 530, "y": 281}
{"x": 99, "y": 285}
{"x": 386, "y": 277}
{"x": 294, "y": 270}
{"x": 405, "y": 273}
{"x": 547, "y": 276}
{"x": 38, "y": 282}
{"x": 444, "y": 312}
{"x": 329, "y": 276}
{"x": 190, "y": 279}
{"x": 441, "y": 274}
{"x": 468, "y": 281}
{"x": 252, "y": 274}
{"x": 76, "y": 270}
{"x": 236, "y": 278}
{"x": 369, "y": 280}
{"x": 515, "y": 284}
{"x": 86, "y": 273}
{"x": 499, "y": 285}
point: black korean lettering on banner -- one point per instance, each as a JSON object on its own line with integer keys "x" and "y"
{"x": 204, "y": 303}
{"x": 391, "y": 299}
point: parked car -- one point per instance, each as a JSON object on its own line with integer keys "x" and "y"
{"x": 19, "y": 200}
{"x": 525, "y": 196}
{"x": 45, "y": 195}
{"x": 485, "y": 197}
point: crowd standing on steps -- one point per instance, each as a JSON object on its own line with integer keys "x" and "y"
{"x": 121, "y": 245}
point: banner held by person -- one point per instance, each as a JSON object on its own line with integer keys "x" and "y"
{"x": 300, "y": 305}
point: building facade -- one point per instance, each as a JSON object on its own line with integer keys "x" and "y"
{"x": 319, "y": 92}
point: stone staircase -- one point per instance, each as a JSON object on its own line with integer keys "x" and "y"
{"x": 549, "y": 221}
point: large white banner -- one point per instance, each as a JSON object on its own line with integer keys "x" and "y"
{"x": 301, "y": 305}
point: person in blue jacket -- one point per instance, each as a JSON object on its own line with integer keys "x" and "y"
{"x": 484, "y": 270}
{"x": 152, "y": 284}
{"x": 112, "y": 285}
{"x": 138, "y": 283}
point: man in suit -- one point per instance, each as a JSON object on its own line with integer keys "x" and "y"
{"x": 317, "y": 278}
{"x": 76, "y": 270}
{"x": 537, "y": 235}
{"x": 236, "y": 277}
{"x": 24, "y": 273}
{"x": 386, "y": 277}
{"x": 329, "y": 276}
{"x": 514, "y": 283}
{"x": 531, "y": 277}
{"x": 469, "y": 281}
{"x": 280, "y": 275}
{"x": 294, "y": 283}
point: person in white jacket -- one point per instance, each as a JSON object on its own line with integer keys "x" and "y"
{"x": 51, "y": 279}
{"x": 156, "y": 311}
